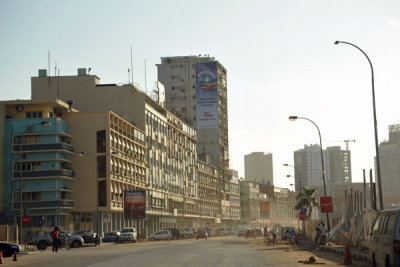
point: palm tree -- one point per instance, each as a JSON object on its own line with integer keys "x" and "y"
{"x": 307, "y": 200}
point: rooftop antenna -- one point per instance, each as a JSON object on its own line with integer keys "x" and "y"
{"x": 131, "y": 66}
{"x": 58, "y": 84}
{"x": 48, "y": 63}
{"x": 145, "y": 76}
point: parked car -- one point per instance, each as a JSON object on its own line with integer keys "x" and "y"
{"x": 250, "y": 233}
{"x": 87, "y": 235}
{"x": 286, "y": 230}
{"x": 162, "y": 235}
{"x": 128, "y": 234}
{"x": 112, "y": 237}
{"x": 188, "y": 233}
{"x": 176, "y": 233}
{"x": 384, "y": 241}
{"x": 44, "y": 239}
{"x": 202, "y": 233}
{"x": 8, "y": 249}
{"x": 241, "y": 232}
{"x": 291, "y": 233}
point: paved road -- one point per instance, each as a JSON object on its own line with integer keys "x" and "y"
{"x": 228, "y": 251}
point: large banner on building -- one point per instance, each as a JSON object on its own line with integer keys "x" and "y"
{"x": 206, "y": 95}
{"x": 134, "y": 205}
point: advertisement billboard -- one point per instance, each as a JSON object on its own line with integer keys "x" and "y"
{"x": 326, "y": 204}
{"x": 206, "y": 95}
{"x": 134, "y": 205}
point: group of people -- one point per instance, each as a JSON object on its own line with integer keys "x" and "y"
{"x": 321, "y": 233}
{"x": 268, "y": 234}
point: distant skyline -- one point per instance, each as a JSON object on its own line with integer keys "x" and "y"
{"x": 279, "y": 54}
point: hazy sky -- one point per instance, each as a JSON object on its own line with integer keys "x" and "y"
{"x": 279, "y": 55}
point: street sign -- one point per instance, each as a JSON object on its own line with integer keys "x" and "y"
{"x": 326, "y": 204}
{"x": 303, "y": 216}
{"x": 41, "y": 222}
{"x": 303, "y": 210}
{"x": 26, "y": 219}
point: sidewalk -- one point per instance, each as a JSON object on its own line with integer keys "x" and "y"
{"x": 339, "y": 249}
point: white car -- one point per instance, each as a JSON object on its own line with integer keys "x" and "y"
{"x": 162, "y": 235}
{"x": 128, "y": 234}
{"x": 384, "y": 241}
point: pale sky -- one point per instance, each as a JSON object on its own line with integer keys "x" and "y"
{"x": 280, "y": 57}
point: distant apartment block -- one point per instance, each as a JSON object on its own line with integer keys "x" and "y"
{"x": 258, "y": 167}
{"x": 389, "y": 153}
{"x": 337, "y": 164}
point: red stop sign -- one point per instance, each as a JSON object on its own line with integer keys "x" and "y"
{"x": 303, "y": 216}
{"x": 26, "y": 219}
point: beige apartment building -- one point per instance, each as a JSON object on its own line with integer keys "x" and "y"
{"x": 169, "y": 147}
{"x": 110, "y": 157}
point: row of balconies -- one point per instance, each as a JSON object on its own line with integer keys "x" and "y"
{"x": 43, "y": 147}
{"x": 44, "y": 173}
{"x": 64, "y": 203}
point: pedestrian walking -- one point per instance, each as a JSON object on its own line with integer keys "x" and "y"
{"x": 55, "y": 234}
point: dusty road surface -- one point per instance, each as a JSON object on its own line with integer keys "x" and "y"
{"x": 226, "y": 251}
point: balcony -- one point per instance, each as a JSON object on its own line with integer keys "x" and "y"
{"x": 45, "y": 204}
{"x": 41, "y": 147}
{"x": 44, "y": 173}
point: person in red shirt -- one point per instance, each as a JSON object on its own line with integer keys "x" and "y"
{"x": 56, "y": 238}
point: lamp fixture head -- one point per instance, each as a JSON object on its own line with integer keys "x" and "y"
{"x": 293, "y": 118}
{"x": 337, "y": 42}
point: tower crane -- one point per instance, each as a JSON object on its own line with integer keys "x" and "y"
{"x": 345, "y": 141}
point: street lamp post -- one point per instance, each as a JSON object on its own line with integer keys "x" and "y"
{"x": 293, "y": 118}
{"x": 298, "y": 174}
{"x": 378, "y": 167}
{"x": 81, "y": 154}
{"x": 28, "y": 129}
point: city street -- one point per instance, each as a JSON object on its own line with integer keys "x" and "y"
{"x": 227, "y": 251}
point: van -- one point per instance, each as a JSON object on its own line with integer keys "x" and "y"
{"x": 384, "y": 242}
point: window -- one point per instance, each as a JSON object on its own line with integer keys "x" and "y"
{"x": 34, "y": 114}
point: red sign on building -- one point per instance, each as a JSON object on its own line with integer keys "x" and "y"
{"x": 326, "y": 204}
{"x": 302, "y": 216}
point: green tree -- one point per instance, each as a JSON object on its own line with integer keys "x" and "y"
{"x": 309, "y": 198}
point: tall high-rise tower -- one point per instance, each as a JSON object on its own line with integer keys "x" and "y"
{"x": 196, "y": 91}
{"x": 258, "y": 168}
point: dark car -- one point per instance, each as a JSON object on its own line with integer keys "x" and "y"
{"x": 202, "y": 233}
{"x": 176, "y": 233}
{"x": 8, "y": 249}
{"x": 250, "y": 233}
{"x": 112, "y": 237}
{"x": 87, "y": 235}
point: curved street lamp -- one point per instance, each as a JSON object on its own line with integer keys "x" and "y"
{"x": 378, "y": 166}
{"x": 294, "y": 118}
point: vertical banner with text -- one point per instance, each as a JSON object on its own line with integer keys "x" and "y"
{"x": 207, "y": 95}
{"x": 326, "y": 204}
{"x": 134, "y": 205}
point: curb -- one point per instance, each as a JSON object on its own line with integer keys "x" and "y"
{"x": 340, "y": 250}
